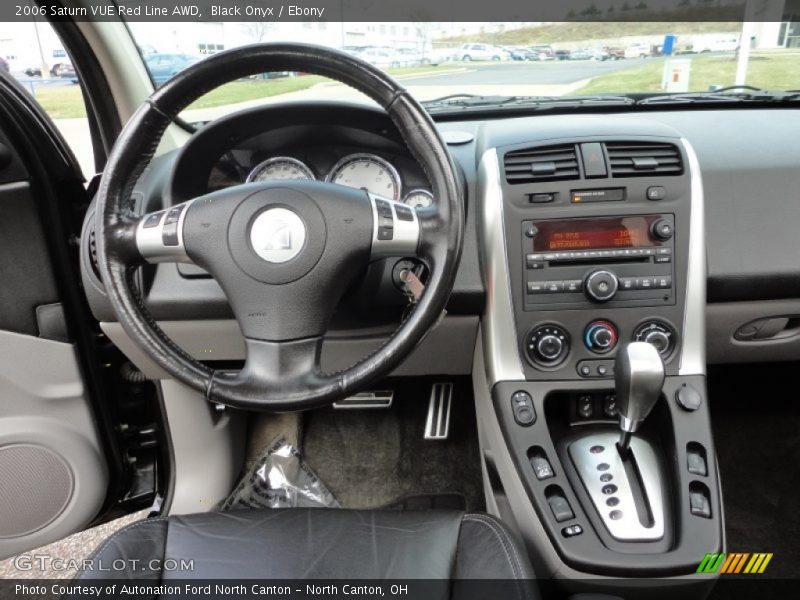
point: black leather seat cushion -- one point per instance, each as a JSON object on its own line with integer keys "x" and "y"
{"x": 323, "y": 544}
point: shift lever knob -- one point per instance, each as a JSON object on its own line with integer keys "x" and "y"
{"x": 639, "y": 377}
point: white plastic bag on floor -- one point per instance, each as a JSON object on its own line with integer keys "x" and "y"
{"x": 280, "y": 478}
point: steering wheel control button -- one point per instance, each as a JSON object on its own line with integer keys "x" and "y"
{"x": 688, "y": 398}
{"x": 522, "y": 405}
{"x": 404, "y": 212}
{"x": 600, "y": 337}
{"x": 657, "y": 333}
{"x": 572, "y": 531}
{"x": 547, "y": 345}
{"x": 153, "y": 220}
{"x": 663, "y": 230}
{"x": 173, "y": 215}
{"x": 656, "y": 192}
{"x": 601, "y": 285}
{"x": 277, "y": 235}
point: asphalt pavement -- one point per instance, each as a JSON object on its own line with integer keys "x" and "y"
{"x": 560, "y": 72}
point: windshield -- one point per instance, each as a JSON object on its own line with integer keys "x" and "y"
{"x": 435, "y": 60}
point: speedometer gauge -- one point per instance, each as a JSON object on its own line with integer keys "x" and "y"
{"x": 368, "y": 172}
{"x": 418, "y": 199}
{"x": 280, "y": 167}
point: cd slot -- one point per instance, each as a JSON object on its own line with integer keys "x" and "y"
{"x": 577, "y": 262}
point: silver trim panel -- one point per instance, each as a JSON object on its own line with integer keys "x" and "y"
{"x": 150, "y": 240}
{"x": 693, "y": 349}
{"x": 628, "y": 525}
{"x": 502, "y": 358}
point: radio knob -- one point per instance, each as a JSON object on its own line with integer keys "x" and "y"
{"x": 600, "y": 337}
{"x": 663, "y": 230}
{"x": 601, "y": 285}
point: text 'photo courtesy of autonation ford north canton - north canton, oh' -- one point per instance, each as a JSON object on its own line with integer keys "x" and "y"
{"x": 452, "y": 300}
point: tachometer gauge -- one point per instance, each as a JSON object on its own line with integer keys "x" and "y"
{"x": 418, "y": 199}
{"x": 369, "y": 172}
{"x": 280, "y": 167}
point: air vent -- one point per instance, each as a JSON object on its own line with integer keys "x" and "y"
{"x": 545, "y": 163}
{"x": 93, "y": 251}
{"x": 640, "y": 159}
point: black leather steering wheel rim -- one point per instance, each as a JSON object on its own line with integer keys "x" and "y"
{"x": 263, "y": 384}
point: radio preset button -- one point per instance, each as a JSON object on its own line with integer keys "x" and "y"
{"x": 627, "y": 283}
{"x": 663, "y": 283}
{"x": 536, "y": 287}
{"x": 554, "y": 287}
{"x": 573, "y": 285}
{"x": 664, "y": 258}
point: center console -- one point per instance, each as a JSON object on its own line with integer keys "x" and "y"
{"x": 595, "y": 268}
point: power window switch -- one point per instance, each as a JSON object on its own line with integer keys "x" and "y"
{"x": 562, "y": 511}
{"x": 699, "y": 505}
{"x": 696, "y": 464}
{"x": 541, "y": 468}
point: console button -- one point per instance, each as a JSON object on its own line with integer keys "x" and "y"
{"x": 573, "y": 285}
{"x": 656, "y": 192}
{"x": 541, "y": 468}
{"x": 627, "y": 283}
{"x": 572, "y": 531}
{"x": 536, "y": 287}
{"x": 688, "y": 398}
{"x": 645, "y": 283}
{"x": 594, "y": 163}
{"x": 542, "y": 198}
{"x": 522, "y": 405}
{"x": 663, "y": 282}
{"x": 696, "y": 464}
{"x": 610, "y": 406}
{"x": 663, "y": 259}
{"x": 554, "y": 287}
{"x": 562, "y": 511}
{"x": 698, "y": 505}
{"x": 585, "y": 407}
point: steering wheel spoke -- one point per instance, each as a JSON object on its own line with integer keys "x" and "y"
{"x": 395, "y": 229}
{"x": 159, "y": 235}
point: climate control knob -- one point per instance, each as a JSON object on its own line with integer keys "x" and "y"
{"x": 600, "y": 336}
{"x": 547, "y": 345}
{"x": 657, "y": 333}
{"x": 601, "y": 285}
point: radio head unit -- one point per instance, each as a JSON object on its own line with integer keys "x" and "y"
{"x": 618, "y": 261}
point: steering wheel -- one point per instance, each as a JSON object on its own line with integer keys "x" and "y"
{"x": 282, "y": 251}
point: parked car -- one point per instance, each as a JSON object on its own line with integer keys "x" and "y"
{"x": 600, "y": 54}
{"x": 580, "y": 54}
{"x": 518, "y": 53}
{"x": 384, "y": 57}
{"x": 561, "y": 55}
{"x": 469, "y": 52}
{"x": 163, "y": 66}
{"x": 638, "y": 51}
{"x": 543, "y": 52}
{"x": 615, "y": 53}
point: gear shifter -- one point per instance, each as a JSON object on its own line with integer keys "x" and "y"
{"x": 639, "y": 377}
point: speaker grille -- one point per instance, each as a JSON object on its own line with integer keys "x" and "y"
{"x": 35, "y": 487}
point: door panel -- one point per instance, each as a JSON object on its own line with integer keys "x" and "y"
{"x": 53, "y": 474}
{"x": 53, "y": 477}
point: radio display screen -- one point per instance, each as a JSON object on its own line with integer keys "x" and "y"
{"x": 594, "y": 233}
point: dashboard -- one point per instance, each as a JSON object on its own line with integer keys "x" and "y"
{"x": 750, "y": 283}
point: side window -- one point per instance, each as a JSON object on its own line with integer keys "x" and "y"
{"x": 33, "y": 54}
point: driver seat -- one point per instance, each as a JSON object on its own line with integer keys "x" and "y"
{"x": 324, "y": 544}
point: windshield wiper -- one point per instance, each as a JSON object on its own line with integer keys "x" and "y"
{"x": 473, "y": 101}
{"x": 733, "y": 93}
